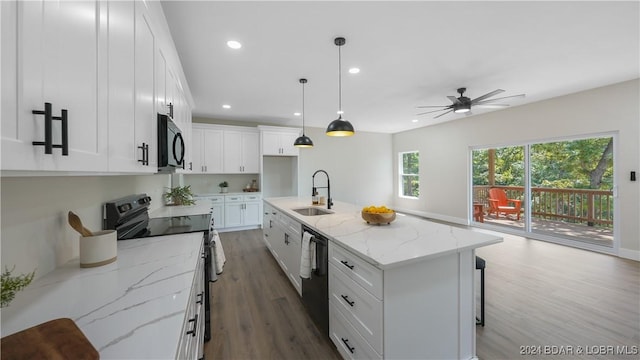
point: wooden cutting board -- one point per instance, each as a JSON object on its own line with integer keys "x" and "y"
{"x": 55, "y": 339}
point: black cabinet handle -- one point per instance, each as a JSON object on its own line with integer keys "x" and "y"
{"x": 346, "y": 263}
{"x": 170, "y": 110}
{"x": 48, "y": 130}
{"x": 201, "y": 296}
{"x": 195, "y": 326}
{"x": 346, "y": 298}
{"x": 190, "y": 165}
{"x": 145, "y": 154}
{"x": 346, "y": 342}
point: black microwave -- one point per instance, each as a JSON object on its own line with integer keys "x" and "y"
{"x": 170, "y": 145}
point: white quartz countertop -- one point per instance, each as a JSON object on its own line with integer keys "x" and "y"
{"x": 407, "y": 239}
{"x": 133, "y": 308}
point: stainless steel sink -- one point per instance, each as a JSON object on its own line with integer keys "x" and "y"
{"x": 312, "y": 211}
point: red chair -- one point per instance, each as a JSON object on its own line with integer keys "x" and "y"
{"x": 498, "y": 203}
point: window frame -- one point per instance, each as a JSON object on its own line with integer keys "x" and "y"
{"x": 401, "y": 174}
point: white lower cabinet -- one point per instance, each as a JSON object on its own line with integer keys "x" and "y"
{"x": 282, "y": 235}
{"x": 347, "y": 339}
{"x": 191, "y": 345}
{"x": 242, "y": 210}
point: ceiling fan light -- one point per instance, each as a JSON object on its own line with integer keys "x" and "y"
{"x": 461, "y": 108}
{"x": 340, "y": 127}
{"x": 303, "y": 141}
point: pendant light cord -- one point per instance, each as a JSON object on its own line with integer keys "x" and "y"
{"x": 340, "y": 80}
{"x": 302, "y": 109}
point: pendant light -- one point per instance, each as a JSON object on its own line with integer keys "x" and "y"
{"x": 303, "y": 141}
{"x": 339, "y": 126}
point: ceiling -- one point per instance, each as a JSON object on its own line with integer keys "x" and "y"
{"x": 410, "y": 54}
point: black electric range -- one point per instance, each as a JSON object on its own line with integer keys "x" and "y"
{"x": 129, "y": 216}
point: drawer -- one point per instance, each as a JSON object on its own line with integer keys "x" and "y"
{"x": 349, "y": 343}
{"x": 291, "y": 226}
{"x": 359, "y": 307}
{"x": 363, "y": 273}
{"x": 253, "y": 197}
{"x": 217, "y": 199}
{"x": 233, "y": 198}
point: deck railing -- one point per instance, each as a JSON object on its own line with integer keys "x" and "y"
{"x": 590, "y": 207}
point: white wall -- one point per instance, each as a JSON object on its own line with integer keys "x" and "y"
{"x": 34, "y": 229}
{"x": 444, "y": 149}
{"x": 359, "y": 167}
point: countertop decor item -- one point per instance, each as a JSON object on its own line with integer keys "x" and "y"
{"x": 179, "y": 195}
{"x": 224, "y": 186}
{"x": 98, "y": 249}
{"x": 303, "y": 141}
{"x": 339, "y": 126}
{"x": 12, "y": 284}
{"x": 378, "y": 218}
{"x": 55, "y": 339}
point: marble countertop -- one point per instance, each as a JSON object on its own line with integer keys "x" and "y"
{"x": 201, "y": 207}
{"x": 228, "y": 193}
{"x": 407, "y": 239}
{"x": 133, "y": 308}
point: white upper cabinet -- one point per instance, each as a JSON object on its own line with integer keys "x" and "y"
{"x": 241, "y": 151}
{"x": 60, "y": 50}
{"x": 279, "y": 142}
{"x": 207, "y": 150}
{"x": 132, "y": 127}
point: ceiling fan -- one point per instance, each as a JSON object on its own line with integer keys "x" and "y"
{"x": 463, "y": 104}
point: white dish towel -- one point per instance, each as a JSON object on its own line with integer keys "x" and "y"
{"x": 216, "y": 244}
{"x": 307, "y": 255}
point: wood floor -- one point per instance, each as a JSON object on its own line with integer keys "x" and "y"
{"x": 255, "y": 311}
{"x": 537, "y": 294}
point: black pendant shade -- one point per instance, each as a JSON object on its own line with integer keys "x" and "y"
{"x": 340, "y": 127}
{"x": 303, "y": 141}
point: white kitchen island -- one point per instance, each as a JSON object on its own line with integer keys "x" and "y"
{"x": 404, "y": 290}
{"x": 133, "y": 308}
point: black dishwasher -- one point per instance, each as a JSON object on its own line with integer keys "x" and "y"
{"x": 315, "y": 290}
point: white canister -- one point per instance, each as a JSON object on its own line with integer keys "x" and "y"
{"x": 99, "y": 249}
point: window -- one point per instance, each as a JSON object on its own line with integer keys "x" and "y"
{"x": 409, "y": 170}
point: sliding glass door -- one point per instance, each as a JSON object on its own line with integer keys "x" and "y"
{"x": 562, "y": 189}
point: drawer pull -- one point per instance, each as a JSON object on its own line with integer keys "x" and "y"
{"x": 346, "y": 342}
{"x": 346, "y": 263}
{"x": 346, "y": 298}
{"x": 199, "y": 301}
{"x": 195, "y": 326}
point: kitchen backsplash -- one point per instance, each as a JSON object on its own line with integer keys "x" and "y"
{"x": 208, "y": 183}
{"x": 35, "y": 232}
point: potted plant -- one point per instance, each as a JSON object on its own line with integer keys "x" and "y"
{"x": 12, "y": 284}
{"x": 179, "y": 195}
{"x": 223, "y": 186}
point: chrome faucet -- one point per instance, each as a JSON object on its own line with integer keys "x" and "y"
{"x": 328, "y": 187}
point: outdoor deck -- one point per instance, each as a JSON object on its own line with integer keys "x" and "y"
{"x": 591, "y": 234}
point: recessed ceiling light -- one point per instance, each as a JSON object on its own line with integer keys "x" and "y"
{"x": 296, "y": 114}
{"x": 354, "y": 70}
{"x": 225, "y": 106}
{"x": 414, "y": 120}
{"x": 234, "y": 44}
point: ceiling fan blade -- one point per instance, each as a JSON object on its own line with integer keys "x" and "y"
{"x": 432, "y": 111}
{"x": 501, "y": 98}
{"x": 454, "y": 99}
{"x": 445, "y": 113}
{"x": 487, "y": 95}
{"x": 491, "y": 106}
{"x": 433, "y": 106}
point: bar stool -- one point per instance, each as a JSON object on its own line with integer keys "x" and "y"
{"x": 480, "y": 265}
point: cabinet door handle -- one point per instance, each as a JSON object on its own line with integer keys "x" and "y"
{"x": 346, "y": 298}
{"x": 286, "y": 239}
{"x": 346, "y": 263}
{"x": 270, "y": 224}
{"x": 200, "y": 296}
{"x": 346, "y": 342}
{"x": 48, "y": 130}
{"x": 145, "y": 154}
{"x": 190, "y": 165}
{"x": 195, "y": 326}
